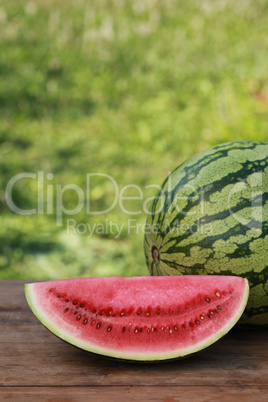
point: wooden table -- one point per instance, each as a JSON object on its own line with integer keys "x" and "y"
{"x": 37, "y": 365}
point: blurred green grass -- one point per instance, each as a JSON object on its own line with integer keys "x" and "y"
{"x": 127, "y": 89}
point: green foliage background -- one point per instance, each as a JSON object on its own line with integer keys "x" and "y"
{"x": 125, "y": 88}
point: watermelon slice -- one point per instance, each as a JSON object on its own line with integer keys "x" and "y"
{"x": 140, "y": 318}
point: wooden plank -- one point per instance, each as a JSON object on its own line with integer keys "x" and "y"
{"x": 37, "y": 363}
{"x": 127, "y": 393}
{"x": 34, "y": 363}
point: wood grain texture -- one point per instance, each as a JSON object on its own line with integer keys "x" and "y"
{"x": 128, "y": 393}
{"x": 36, "y": 364}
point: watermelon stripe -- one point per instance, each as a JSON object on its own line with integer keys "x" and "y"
{"x": 232, "y": 178}
{"x": 212, "y": 218}
{"x": 247, "y": 169}
{"x": 212, "y": 155}
{"x": 211, "y": 221}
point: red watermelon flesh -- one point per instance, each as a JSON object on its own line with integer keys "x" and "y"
{"x": 140, "y": 318}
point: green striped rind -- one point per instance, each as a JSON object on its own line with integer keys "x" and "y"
{"x": 211, "y": 217}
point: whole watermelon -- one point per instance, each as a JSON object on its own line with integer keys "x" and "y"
{"x": 211, "y": 217}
